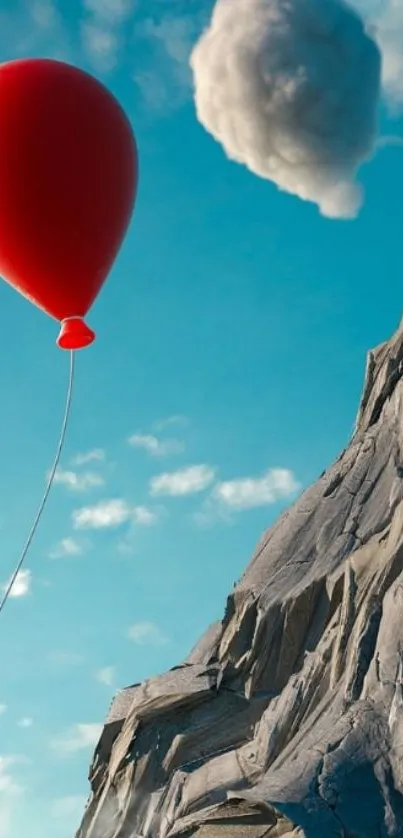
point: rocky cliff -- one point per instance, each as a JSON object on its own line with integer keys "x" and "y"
{"x": 287, "y": 717}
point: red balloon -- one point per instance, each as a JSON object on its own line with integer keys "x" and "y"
{"x": 68, "y": 183}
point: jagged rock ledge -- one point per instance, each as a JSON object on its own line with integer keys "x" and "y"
{"x": 287, "y": 717}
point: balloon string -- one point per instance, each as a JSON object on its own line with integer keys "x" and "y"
{"x": 48, "y": 485}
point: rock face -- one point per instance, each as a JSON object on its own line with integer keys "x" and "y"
{"x": 287, "y": 717}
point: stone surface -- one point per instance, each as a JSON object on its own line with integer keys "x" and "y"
{"x": 287, "y": 717}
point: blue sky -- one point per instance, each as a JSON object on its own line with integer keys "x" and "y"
{"x": 232, "y": 336}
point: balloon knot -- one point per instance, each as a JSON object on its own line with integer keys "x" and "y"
{"x": 75, "y": 334}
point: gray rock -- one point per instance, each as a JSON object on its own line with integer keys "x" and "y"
{"x": 287, "y": 718}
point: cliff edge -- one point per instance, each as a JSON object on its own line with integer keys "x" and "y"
{"x": 287, "y": 717}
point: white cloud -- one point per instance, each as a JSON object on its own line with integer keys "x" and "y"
{"x": 109, "y": 513}
{"x": 67, "y": 547}
{"x": 186, "y": 481}
{"x": 78, "y": 738}
{"x": 3, "y": 709}
{"x": 155, "y": 446}
{"x": 22, "y": 584}
{"x": 249, "y": 492}
{"x": 78, "y": 481}
{"x": 26, "y": 722}
{"x": 113, "y": 513}
{"x": 69, "y": 807}
{"x": 146, "y": 634}
{"x": 106, "y": 676}
{"x": 290, "y": 89}
{"x": 96, "y": 455}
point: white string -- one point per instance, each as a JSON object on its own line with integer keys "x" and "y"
{"x": 49, "y": 484}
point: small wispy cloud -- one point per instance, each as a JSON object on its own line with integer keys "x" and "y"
{"x": 103, "y": 31}
{"x": 78, "y": 481}
{"x": 96, "y": 455}
{"x": 106, "y": 676}
{"x": 388, "y": 30}
{"x": 34, "y": 27}
{"x": 110, "y": 11}
{"x": 44, "y": 14}
{"x": 185, "y": 481}
{"x": 155, "y": 446}
{"x": 3, "y": 709}
{"x": 176, "y": 420}
{"x": 384, "y": 19}
{"x": 66, "y": 659}
{"x": 78, "y": 738}
{"x": 144, "y": 517}
{"x": 10, "y": 792}
{"x": 113, "y": 513}
{"x": 146, "y": 634}
{"x": 22, "y": 584}
{"x": 249, "y": 492}
{"x": 67, "y": 547}
{"x": 8, "y": 784}
{"x": 165, "y": 82}
{"x": 25, "y": 723}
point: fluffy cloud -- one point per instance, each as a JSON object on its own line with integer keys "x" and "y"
{"x": 146, "y": 634}
{"x": 248, "y": 492}
{"x": 112, "y": 513}
{"x": 109, "y": 513}
{"x": 155, "y": 446}
{"x": 78, "y": 481}
{"x": 186, "y": 481}
{"x": 77, "y": 738}
{"x": 106, "y": 676}
{"x": 290, "y": 88}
